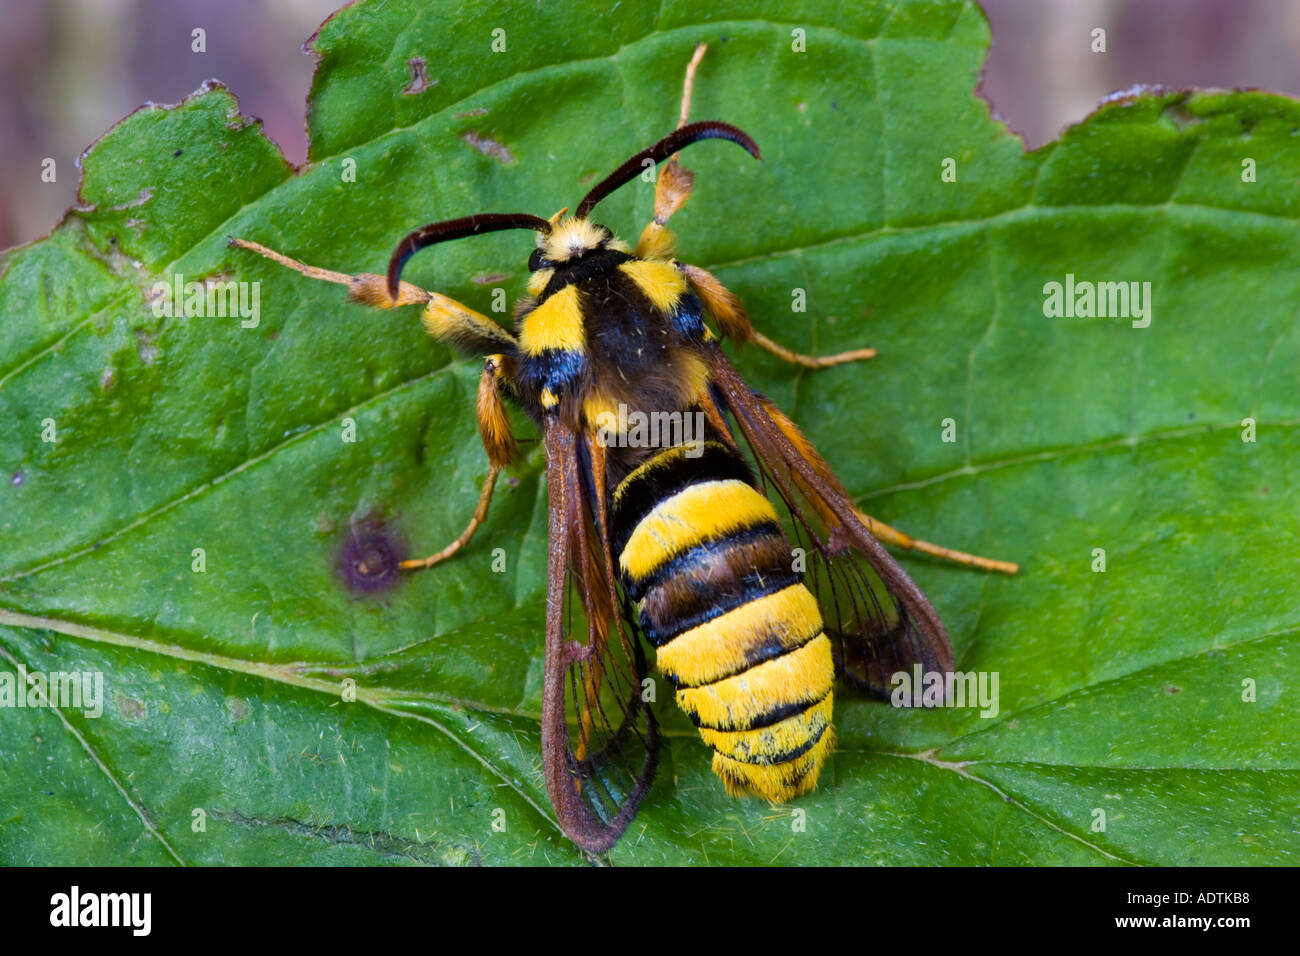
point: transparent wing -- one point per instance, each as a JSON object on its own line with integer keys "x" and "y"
{"x": 600, "y": 741}
{"x": 878, "y": 620}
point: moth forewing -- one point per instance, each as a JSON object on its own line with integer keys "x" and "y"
{"x": 600, "y": 741}
{"x": 880, "y": 640}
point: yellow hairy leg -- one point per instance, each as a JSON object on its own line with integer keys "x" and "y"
{"x": 887, "y": 535}
{"x": 672, "y": 189}
{"x": 480, "y": 513}
{"x": 733, "y": 321}
{"x": 882, "y": 532}
{"x": 447, "y": 320}
{"x": 498, "y": 440}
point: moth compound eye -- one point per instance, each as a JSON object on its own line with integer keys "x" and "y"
{"x": 535, "y": 260}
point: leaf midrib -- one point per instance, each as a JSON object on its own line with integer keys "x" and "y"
{"x": 295, "y": 674}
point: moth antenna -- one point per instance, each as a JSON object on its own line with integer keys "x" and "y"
{"x": 450, "y": 229}
{"x": 675, "y": 141}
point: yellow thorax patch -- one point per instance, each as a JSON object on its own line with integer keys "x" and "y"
{"x": 555, "y": 324}
{"x": 662, "y": 284}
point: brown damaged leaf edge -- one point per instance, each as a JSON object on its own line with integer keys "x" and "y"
{"x": 83, "y": 208}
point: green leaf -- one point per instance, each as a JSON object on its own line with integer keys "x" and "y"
{"x": 1126, "y": 692}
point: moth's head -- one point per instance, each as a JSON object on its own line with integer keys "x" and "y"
{"x": 569, "y": 240}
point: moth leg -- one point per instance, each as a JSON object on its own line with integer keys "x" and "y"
{"x": 675, "y": 181}
{"x": 498, "y": 440}
{"x": 672, "y": 189}
{"x": 480, "y": 513}
{"x": 364, "y": 287}
{"x": 733, "y": 321}
{"x": 445, "y": 319}
{"x": 879, "y": 530}
{"x": 892, "y": 536}
{"x": 688, "y": 84}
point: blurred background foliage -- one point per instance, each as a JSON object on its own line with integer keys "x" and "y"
{"x": 65, "y": 65}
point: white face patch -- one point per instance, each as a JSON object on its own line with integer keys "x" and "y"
{"x": 571, "y": 238}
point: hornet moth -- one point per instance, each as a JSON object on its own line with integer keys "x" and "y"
{"x": 686, "y": 545}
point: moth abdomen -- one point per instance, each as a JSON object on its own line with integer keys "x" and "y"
{"x": 737, "y": 633}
